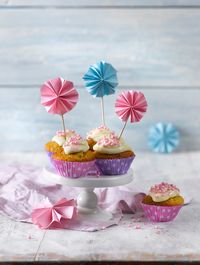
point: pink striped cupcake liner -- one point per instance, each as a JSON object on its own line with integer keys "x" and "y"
{"x": 161, "y": 213}
{"x": 73, "y": 169}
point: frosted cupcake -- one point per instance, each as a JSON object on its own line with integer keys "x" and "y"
{"x": 55, "y": 145}
{"x": 162, "y": 203}
{"x": 96, "y": 134}
{"x": 113, "y": 155}
{"x": 75, "y": 160}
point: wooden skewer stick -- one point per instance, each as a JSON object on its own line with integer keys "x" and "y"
{"x": 63, "y": 124}
{"x": 102, "y": 111}
{"x": 123, "y": 129}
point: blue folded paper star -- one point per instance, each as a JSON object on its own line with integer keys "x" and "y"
{"x": 101, "y": 79}
{"x": 163, "y": 138}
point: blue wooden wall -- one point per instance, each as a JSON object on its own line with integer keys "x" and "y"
{"x": 154, "y": 45}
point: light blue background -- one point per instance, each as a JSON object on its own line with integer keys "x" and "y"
{"x": 154, "y": 45}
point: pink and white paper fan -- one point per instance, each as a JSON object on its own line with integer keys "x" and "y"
{"x": 130, "y": 105}
{"x": 56, "y": 215}
{"x": 58, "y": 96}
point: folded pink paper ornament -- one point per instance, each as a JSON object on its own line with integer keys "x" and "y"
{"x": 131, "y": 104}
{"x": 58, "y": 96}
{"x": 55, "y": 216}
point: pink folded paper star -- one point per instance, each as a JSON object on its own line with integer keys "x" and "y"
{"x": 131, "y": 104}
{"x": 55, "y": 216}
{"x": 58, "y": 96}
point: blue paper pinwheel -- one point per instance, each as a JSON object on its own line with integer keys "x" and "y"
{"x": 163, "y": 138}
{"x": 101, "y": 79}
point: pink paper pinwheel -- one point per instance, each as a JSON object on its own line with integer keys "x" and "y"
{"x": 130, "y": 105}
{"x": 55, "y": 216}
{"x": 58, "y": 96}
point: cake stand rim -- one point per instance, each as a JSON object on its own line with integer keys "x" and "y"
{"x": 100, "y": 182}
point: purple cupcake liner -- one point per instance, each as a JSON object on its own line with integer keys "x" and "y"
{"x": 161, "y": 213}
{"x": 94, "y": 171}
{"x": 117, "y": 166}
{"x": 49, "y": 153}
{"x": 73, "y": 169}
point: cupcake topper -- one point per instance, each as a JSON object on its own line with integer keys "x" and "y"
{"x": 58, "y": 96}
{"x": 163, "y": 138}
{"x": 101, "y": 80}
{"x": 130, "y": 105}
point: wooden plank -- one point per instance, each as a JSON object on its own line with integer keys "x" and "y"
{"x": 147, "y": 47}
{"x": 18, "y": 241}
{"x": 123, "y": 242}
{"x": 25, "y": 125}
{"x": 127, "y": 243}
{"x": 103, "y": 3}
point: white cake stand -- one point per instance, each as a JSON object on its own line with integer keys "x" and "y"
{"x": 87, "y": 201}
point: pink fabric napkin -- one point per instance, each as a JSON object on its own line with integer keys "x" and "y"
{"x": 22, "y": 189}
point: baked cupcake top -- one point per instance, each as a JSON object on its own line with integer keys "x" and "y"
{"x": 163, "y": 191}
{"x": 75, "y": 144}
{"x": 111, "y": 144}
{"x": 97, "y": 133}
{"x": 61, "y": 136}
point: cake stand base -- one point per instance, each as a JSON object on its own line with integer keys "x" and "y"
{"x": 87, "y": 205}
{"x": 87, "y": 201}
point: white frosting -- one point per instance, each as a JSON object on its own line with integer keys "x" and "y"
{"x": 112, "y": 149}
{"x": 97, "y": 133}
{"x": 160, "y": 197}
{"x": 59, "y": 140}
{"x": 163, "y": 192}
{"x": 75, "y": 144}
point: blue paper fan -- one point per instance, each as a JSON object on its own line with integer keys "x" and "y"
{"x": 101, "y": 79}
{"x": 163, "y": 138}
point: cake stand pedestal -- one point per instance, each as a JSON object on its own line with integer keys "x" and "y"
{"x": 87, "y": 201}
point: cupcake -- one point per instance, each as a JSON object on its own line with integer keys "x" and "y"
{"x": 96, "y": 134}
{"x": 113, "y": 155}
{"x": 55, "y": 145}
{"x": 75, "y": 160}
{"x": 162, "y": 203}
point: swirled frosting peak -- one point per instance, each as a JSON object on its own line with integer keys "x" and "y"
{"x": 163, "y": 192}
{"x": 62, "y": 136}
{"x": 111, "y": 144}
{"x": 75, "y": 144}
{"x": 97, "y": 133}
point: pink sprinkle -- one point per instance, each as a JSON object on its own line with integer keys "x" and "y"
{"x": 163, "y": 187}
{"x": 95, "y": 131}
{"x": 137, "y": 227}
{"x": 111, "y": 140}
{"x": 29, "y": 237}
{"x": 102, "y": 127}
{"x": 74, "y": 140}
{"x": 64, "y": 134}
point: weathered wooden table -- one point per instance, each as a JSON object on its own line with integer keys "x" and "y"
{"x": 175, "y": 241}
